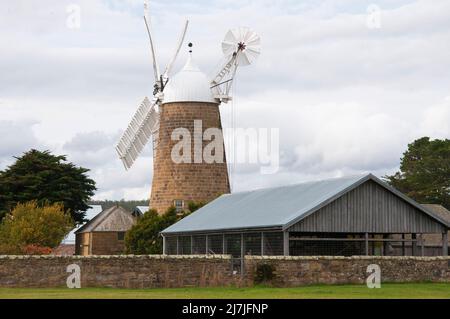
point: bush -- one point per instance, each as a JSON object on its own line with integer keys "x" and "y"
{"x": 30, "y": 228}
{"x": 36, "y": 250}
{"x": 264, "y": 273}
{"x": 144, "y": 238}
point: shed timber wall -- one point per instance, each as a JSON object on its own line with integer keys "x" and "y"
{"x": 368, "y": 208}
{"x": 99, "y": 243}
{"x": 156, "y": 271}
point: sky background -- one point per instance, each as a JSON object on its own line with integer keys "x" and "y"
{"x": 346, "y": 97}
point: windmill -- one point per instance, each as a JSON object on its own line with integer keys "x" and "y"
{"x": 179, "y": 101}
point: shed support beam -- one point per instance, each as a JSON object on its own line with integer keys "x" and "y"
{"x": 414, "y": 244}
{"x": 178, "y": 245}
{"x": 262, "y": 243}
{"x": 164, "y": 245}
{"x": 366, "y": 236}
{"x": 286, "y": 243}
{"x": 445, "y": 244}
{"x": 242, "y": 255}
{"x": 207, "y": 245}
{"x": 224, "y": 246}
{"x": 422, "y": 247}
{"x": 403, "y": 245}
{"x": 192, "y": 245}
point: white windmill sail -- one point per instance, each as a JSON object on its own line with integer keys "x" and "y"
{"x": 241, "y": 47}
{"x": 144, "y": 124}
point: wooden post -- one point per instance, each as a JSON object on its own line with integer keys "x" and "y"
{"x": 178, "y": 245}
{"x": 192, "y": 245}
{"x": 164, "y": 245}
{"x": 366, "y": 236}
{"x": 242, "y": 255}
{"x": 286, "y": 243}
{"x": 207, "y": 245}
{"x": 262, "y": 243}
{"x": 413, "y": 244}
{"x": 224, "y": 246}
{"x": 403, "y": 245}
{"x": 445, "y": 244}
{"x": 422, "y": 247}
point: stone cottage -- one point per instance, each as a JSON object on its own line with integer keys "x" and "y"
{"x": 105, "y": 233}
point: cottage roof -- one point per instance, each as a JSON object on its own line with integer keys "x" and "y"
{"x": 115, "y": 219}
{"x": 439, "y": 210}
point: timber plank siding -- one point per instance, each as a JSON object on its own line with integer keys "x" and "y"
{"x": 368, "y": 208}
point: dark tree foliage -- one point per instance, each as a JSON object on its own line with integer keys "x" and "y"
{"x": 47, "y": 179}
{"x": 425, "y": 172}
{"x": 127, "y": 204}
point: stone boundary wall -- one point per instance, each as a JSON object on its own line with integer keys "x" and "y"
{"x": 156, "y": 271}
{"x": 298, "y": 271}
{"x": 125, "y": 271}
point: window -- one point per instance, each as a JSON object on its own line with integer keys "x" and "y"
{"x": 121, "y": 235}
{"x": 179, "y": 205}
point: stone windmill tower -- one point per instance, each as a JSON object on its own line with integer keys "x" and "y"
{"x": 183, "y": 119}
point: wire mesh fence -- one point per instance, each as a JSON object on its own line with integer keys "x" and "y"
{"x": 304, "y": 244}
{"x": 184, "y": 245}
{"x": 199, "y": 245}
{"x": 215, "y": 244}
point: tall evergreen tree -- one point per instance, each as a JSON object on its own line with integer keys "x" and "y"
{"x": 47, "y": 179}
{"x": 425, "y": 172}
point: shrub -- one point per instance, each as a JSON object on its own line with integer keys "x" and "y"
{"x": 36, "y": 250}
{"x": 144, "y": 238}
{"x": 29, "y": 224}
{"x": 264, "y": 273}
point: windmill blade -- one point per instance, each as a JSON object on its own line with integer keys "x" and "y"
{"x": 152, "y": 46}
{"x": 177, "y": 49}
{"x": 143, "y": 124}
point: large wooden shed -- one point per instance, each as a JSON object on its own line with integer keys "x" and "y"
{"x": 357, "y": 215}
{"x": 105, "y": 233}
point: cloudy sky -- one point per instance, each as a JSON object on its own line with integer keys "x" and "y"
{"x": 347, "y": 86}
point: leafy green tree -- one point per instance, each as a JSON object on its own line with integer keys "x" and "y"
{"x": 193, "y": 206}
{"x": 30, "y": 224}
{"x": 46, "y": 178}
{"x": 144, "y": 238}
{"x": 425, "y": 172}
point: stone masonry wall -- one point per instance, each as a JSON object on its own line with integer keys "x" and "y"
{"x": 124, "y": 271}
{"x": 207, "y": 271}
{"x": 298, "y": 271}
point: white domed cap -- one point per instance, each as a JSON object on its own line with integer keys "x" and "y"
{"x": 188, "y": 85}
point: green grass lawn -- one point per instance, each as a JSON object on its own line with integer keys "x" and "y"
{"x": 397, "y": 291}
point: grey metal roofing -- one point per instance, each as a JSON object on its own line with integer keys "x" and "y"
{"x": 114, "y": 218}
{"x": 278, "y": 207}
{"x": 142, "y": 209}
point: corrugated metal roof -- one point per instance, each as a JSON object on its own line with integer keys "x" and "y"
{"x": 261, "y": 208}
{"x": 142, "y": 209}
{"x": 189, "y": 85}
{"x": 275, "y": 207}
